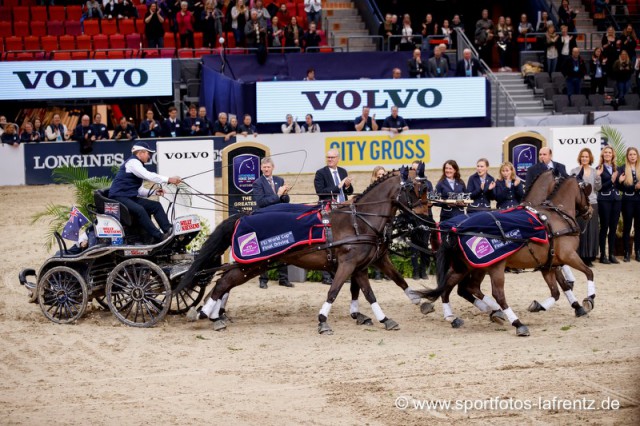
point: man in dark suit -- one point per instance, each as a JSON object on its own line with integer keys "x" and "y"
{"x": 545, "y": 163}
{"x": 172, "y": 127}
{"x": 332, "y": 183}
{"x": 268, "y": 190}
{"x": 417, "y": 68}
{"x": 468, "y": 66}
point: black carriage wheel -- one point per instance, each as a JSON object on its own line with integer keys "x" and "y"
{"x": 185, "y": 299}
{"x": 62, "y": 294}
{"x": 138, "y": 293}
{"x": 102, "y": 301}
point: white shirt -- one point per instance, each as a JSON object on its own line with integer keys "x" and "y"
{"x": 137, "y": 168}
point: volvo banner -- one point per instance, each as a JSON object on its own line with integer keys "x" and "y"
{"x": 334, "y": 100}
{"x": 44, "y": 80}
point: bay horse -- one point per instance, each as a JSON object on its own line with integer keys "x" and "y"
{"x": 559, "y": 211}
{"x": 359, "y": 230}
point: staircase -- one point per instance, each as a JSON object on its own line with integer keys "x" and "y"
{"x": 584, "y": 24}
{"x": 523, "y": 97}
{"x": 343, "y": 23}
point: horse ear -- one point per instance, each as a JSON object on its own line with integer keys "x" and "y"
{"x": 587, "y": 188}
{"x": 421, "y": 169}
{"x": 404, "y": 173}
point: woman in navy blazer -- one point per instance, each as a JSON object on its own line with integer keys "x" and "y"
{"x": 609, "y": 204}
{"x": 449, "y": 186}
{"x": 509, "y": 189}
{"x": 480, "y": 185}
{"x": 629, "y": 185}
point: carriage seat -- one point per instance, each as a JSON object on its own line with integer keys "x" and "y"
{"x": 101, "y": 196}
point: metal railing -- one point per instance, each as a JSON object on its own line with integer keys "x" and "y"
{"x": 599, "y": 39}
{"x": 379, "y": 40}
{"x": 503, "y": 108}
{"x": 415, "y": 39}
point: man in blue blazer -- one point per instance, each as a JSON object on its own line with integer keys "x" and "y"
{"x": 546, "y": 162}
{"x": 172, "y": 127}
{"x": 268, "y": 190}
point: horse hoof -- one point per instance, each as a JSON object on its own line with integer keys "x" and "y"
{"x": 535, "y": 307}
{"x": 193, "y": 314}
{"x": 219, "y": 325}
{"x": 390, "y": 324}
{"x": 580, "y": 312}
{"x": 522, "y": 331}
{"x": 226, "y": 318}
{"x": 363, "y": 320}
{"x": 426, "y": 308}
{"x": 588, "y": 304}
{"x": 498, "y": 317}
{"x": 323, "y": 328}
{"x": 457, "y": 323}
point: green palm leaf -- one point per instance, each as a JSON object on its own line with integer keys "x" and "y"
{"x": 615, "y": 140}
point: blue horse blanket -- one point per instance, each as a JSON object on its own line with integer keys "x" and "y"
{"x": 480, "y": 234}
{"x": 272, "y": 230}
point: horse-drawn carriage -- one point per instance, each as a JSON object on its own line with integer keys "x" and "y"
{"x": 120, "y": 268}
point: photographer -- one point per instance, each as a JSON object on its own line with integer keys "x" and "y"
{"x": 394, "y": 123}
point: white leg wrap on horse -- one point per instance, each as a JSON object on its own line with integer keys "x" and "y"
{"x": 568, "y": 274}
{"x": 548, "y": 303}
{"x": 447, "y": 312}
{"x": 591, "y": 288}
{"x": 224, "y": 299}
{"x": 326, "y": 307}
{"x": 354, "y": 307}
{"x": 411, "y": 294}
{"x": 492, "y": 303}
{"x": 208, "y": 307}
{"x": 510, "y": 315}
{"x": 570, "y": 297}
{"x": 377, "y": 311}
{"x": 481, "y": 305}
{"x": 216, "y": 309}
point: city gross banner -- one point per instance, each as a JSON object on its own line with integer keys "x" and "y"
{"x": 44, "y": 80}
{"x": 360, "y": 149}
{"x": 342, "y": 100}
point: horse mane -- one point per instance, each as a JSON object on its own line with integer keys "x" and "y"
{"x": 558, "y": 184}
{"x": 530, "y": 185}
{"x": 377, "y": 182}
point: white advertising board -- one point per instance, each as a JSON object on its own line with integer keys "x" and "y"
{"x": 567, "y": 142}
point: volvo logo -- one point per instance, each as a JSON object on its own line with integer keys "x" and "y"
{"x": 60, "y": 79}
{"x": 186, "y": 155}
{"x": 352, "y": 99}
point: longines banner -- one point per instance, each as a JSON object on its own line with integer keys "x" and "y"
{"x": 45, "y": 80}
{"x": 342, "y": 99}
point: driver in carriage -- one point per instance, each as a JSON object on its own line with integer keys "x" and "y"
{"x": 127, "y": 189}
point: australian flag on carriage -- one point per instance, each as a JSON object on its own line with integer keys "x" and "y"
{"x": 76, "y": 221}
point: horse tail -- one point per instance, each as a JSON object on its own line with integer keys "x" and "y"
{"x": 444, "y": 257}
{"x": 211, "y": 251}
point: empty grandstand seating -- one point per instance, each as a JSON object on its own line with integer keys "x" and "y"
{"x": 55, "y": 28}
{"x": 39, "y": 13}
{"x": 74, "y": 13}
{"x": 49, "y": 43}
{"x": 57, "y": 13}
{"x": 38, "y": 28}
{"x": 72, "y": 28}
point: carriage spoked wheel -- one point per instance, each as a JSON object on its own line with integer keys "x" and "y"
{"x": 138, "y": 293}
{"x": 187, "y": 298}
{"x": 62, "y": 294}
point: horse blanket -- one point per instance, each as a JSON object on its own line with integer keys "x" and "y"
{"x": 488, "y": 237}
{"x": 274, "y": 229}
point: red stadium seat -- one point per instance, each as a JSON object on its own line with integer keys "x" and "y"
{"x": 55, "y": 28}
{"x": 126, "y": 26}
{"x": 39, "y": 13}
{"x": 13, "y": 43}
{"x": 100, "y": 54}
{"x": 72, "y": 28}
{"x": 199, "y": 53}
{"x": 91, "y": 27}
{"x": 5, "y": 14}
{"x": 11, "y": 3}
{"x": 231, "y": 40}
{"x": 68, "y": 42}
{"x": 1, "y": 46}
{"x": 142, "y": 10}
{"x": 31, "y": 43}
{"x": 197, "y": 40}
{"x": 38, "y": 28}
{"x": 61, "y": 56}
{"x": 169, "y": 40}
{"x": 49, "y": 43}
{"x": 116, "y": 41}
{"x": 21, "y": 29}
{"x": 83, "y": 42}
{"x": 133, "y": 41}
{"x": 56, "y": 13}
{"x": 80, "y": 55}
{"x": 100, "y": 42}
{"x": 119, "y": 54}
{"x": 149, "y": 52}
{"x": 185, "y": 53}
{"x": 109, "y": 27}
{"x": 21, "y": 13}
{"x": 74, "y": 13}
{"x": 5, "y": 29}
{"x": 167, "y": 52}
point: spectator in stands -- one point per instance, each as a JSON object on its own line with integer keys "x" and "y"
{"x": 574, "y": 69}
{"x": 622, "y": 72}
{"x": 484, "y": 34}
{"x": 598, "y": 71}
{"x": 99, "y": 129}
{"x": 110, "y": 9}
{"x": 10, "y": 135}
{"x": 56, "y": 131}
{"x": 311, "y": 38}
{"x": 149, "y": 127}
{"x": 291, "y": 126}
{"x": 446, "y": 31}
{"x": 190, "y": 127}
{"x": 309, "y": 126}
{"x": 153, "y": 29}
{"x": 283, "y": 15}
{"x": 211, "y": 19}
{"x": 456, "y": 23}
{"x": 629, "y": 42}
{"x": 37, "y": 127}
{"x": 203, "y": 125}
{"x": 568, "y": 43}
{"x": 28, "y": 134}
{"x": 524, "y": 29}
{"x": 83, "y": 134}
{"x": 3, "y": 123}
{"x": 246, "y": 128}
{"x": 567, "y": 16}
{"x": 125, "y": 131}
{"x": 394, "y": 123}
{"x": 396, "y": 73}
{"x": 184, "y": 20}
{"x": 293, "y": 34}
{"x": 386, "y": 30}
{"x": 221, "y": 126}
{"x": 406, "y": 31}
{"x": 311, "y": 75}
{"x": 263, "y": 14}
{"x": 417, "y": 68}
{"x": 275, "y": 33}
{"x": 364, "y": 122}
{"x": 313, "y": 10}
{"x": 543, "y": 23}
{"x": 438, "y": 67}
{"x": 450, "y": 186}
{"x": 172, "y": 127}
{"x": 552, "y": 48}
{"x": 505, "y": 38}
{"x": 429, "y": 26}
{"x": 92, "y": 9}
{"x": 239, "y": 19}
{"x": 468, "y": 66}
{"x": 621, "y": 7}
{"x": 232, "y": 127}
